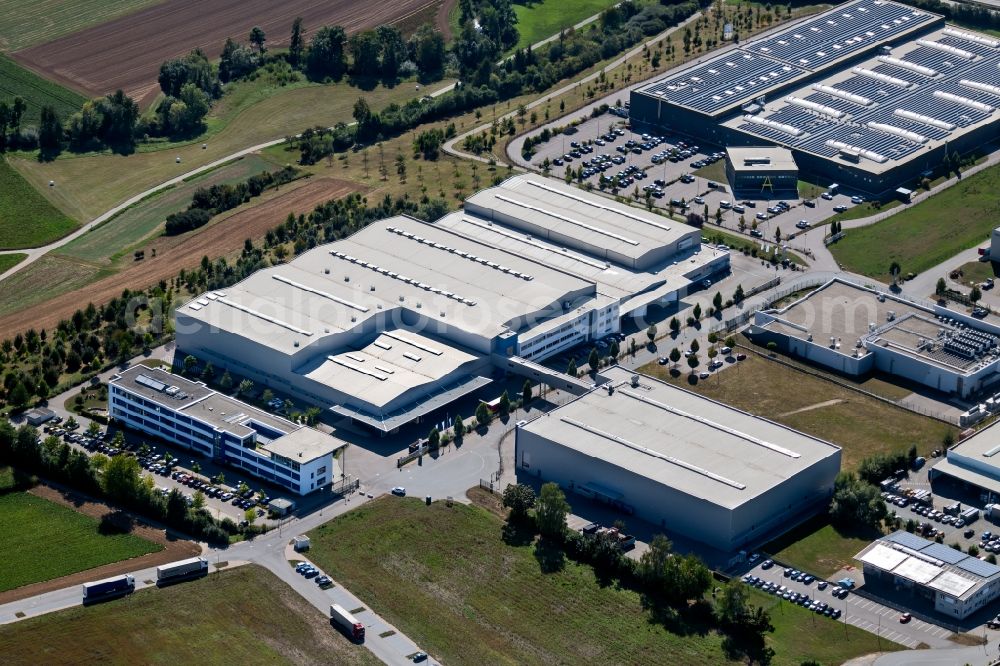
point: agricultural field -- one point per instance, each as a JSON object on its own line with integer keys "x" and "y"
{"x": 928, "y": 233}
{"x": 445, "y": 576}
{"x": 27, "y": 219}
{"x": 27, "y": 22}
{"x": 55, "y": 286}
{"x": 16, "y": 81}
{"x": 542, "y": 18}
{"x": 108, "y": 241}
{"x": 90, "y": 60}
{"x": 240, "y": 616}
{"x": 8, "y": 261}
{"x": 860, "y": 424}
{"x": 43, "y": 540}
{"x": 87, "y": 186}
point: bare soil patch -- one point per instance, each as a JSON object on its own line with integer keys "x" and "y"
{"x": 127, "y": 52}
{"x": 174, "y": 547}
{"x": 176, "y": 252}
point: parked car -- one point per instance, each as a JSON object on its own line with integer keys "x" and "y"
{"x": 904, "y": 618}
{"x": 399, "y": 491}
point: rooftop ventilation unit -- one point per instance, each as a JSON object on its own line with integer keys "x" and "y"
{"x": 964, "y": 101}
{"x": 912, "y": 66}
{"x": 961, "y": 53}
{"x": 982, "y": 87}
{"x": 842, "y": 94}
{"x": 926, "y": 120}
{"x": 813, "y": 106}
{"x": 781, "y": 127}
{"x": 879, "y": 76}
{"x": 898, "y": 131}
{"x": 971, "y": 37}
{"x": 868, "y": 154}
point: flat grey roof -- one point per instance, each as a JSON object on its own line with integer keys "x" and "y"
{"x": 680, "y": 439}
{"x": 848, "y": 313}
{"x": 761, "y": 158}
{"x": 983, "y": 447}
{"x": 303, "y": 445}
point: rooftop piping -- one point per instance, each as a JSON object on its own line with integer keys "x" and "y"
{"x": 534, "y": 243}
{"x": 355, "y": 368}
{"x": 412, "y": 343}
{"x": 261, "y": 315}
{"x": 912, "y": 66}
{"x": 884, "y": 78}
{"x": 318, "y": 292}
{"x": 842, "y": 94}
{"x": 840, "y": 145}
{"x": 964, "y": 101}
{"x": 656, "y": 454}
{"x": 537, "y": 209}
{"x": 970, "y": 37}
{"x": 813, "y": 106}
{"x": 599, "y": 206}
{"x": 926, "y": 120}
{"x": 898, "y": 131}
{"x": 712, "y": 424}
{"x": 767, "y": 122}
{"x": 983, "y": 87}
{"x": 961, "y": 53}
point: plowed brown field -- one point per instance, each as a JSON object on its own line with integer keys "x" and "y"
{"x": 176, "y": 252}
{"x": 127, "y": 52}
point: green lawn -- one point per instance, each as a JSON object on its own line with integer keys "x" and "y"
{"x": 446, "y": 578}
{"x": 27, "y": 22}
{"x": 236, "y": 616}
{"x": 539, "y": 19}
{"x": 27, "y": 219}
{"x": 715, "y": 171}
{"x": 860, "y": 424}
{"x": 43, "y": 540}
{"x": 8, "y": 261}
{"x": 36, "y": 92}
{"x": 818, "y": 547}
{"x": 131, "y": 226}
{"x": 975, "y": 272}
{"x": 865, "y": 209}
{"x": 928, "y": 233}
{"x": 249, "y": 114}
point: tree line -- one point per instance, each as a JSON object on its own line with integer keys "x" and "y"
{"x": 209, "y": 201}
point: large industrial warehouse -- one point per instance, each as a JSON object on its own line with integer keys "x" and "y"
{"x": 405, "y": 317}
{"x": 855, "y": 330}
{"x": 869, "y": 94}
{"x": 691, "y": 465}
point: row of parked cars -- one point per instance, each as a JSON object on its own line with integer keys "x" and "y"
{"x": 309, "y": 571}
{"x": 804, "y": 600}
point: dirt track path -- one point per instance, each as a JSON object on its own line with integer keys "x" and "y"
{"x": 177, "y": 252}
{"x": 174, "y": 548}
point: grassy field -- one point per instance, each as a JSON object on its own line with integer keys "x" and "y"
{"x": 818, "y": 547}
{"x": 239, "y": 616}
{"x": 8, "y": 261}
{"x": 860, "y": 424}
{"x": 27, "y": 22}
{"x": 715, "y": 171}
{"x": 445, "y": 577}
{"x": 103, "y": 243}
{"x": 542, "y": 18}
{"x": 928, "y": 233}
{"x": 36, "y": 92}
{"x": 975, "y": 272}
{"x": 26, "y": 218}
{"x": 91, "y": 184}
{"x": 43, "y": 541}
{"x": 43, "y": 279}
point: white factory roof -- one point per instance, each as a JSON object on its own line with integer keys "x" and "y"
{"x": 595, "y": 221}
{"x": 390, "y": 365}
{"x": 680, "y": 439}
{"x": 761, "y": 158}
{"x": 394, "y": 264}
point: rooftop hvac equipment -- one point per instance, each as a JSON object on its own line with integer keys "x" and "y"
{"x": 903, "y": 64}
{"x": 898, "y": 131}
{"x": 971, "y": 37}
{"x": 982, "y": 87}
{"x": 879, "y": 76}
{"x": 961, "y": 53}
{"x": 842, "y": 94}
{"x": 964, "y": 101}
{"x": 635, "y": 381}
{"x": 926, "y": 120}
{"x": 813, "y": 106}
{"x": 867, "y": 154}
{"x": 781, "y": 127}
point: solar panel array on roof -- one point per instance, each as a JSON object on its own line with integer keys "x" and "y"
{"x": 978, "y": 567}
{"x": 908, "y": 540}
{"x": 946, "y": 554}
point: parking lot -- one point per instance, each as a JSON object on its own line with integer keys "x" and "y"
{"x": 671, "y": 169}
{"x": 848, "y": 607}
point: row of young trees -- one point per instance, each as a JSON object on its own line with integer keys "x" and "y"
{"x": 670, "y": 583}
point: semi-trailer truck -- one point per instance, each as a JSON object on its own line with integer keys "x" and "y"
{"x": 108, "y": 588}
{"x": 347, "y": 623}
{"x": 181, "y": 570}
